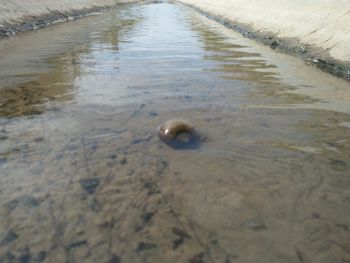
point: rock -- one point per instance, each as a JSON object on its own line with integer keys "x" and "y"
{"x": 342, "y": 226}
{"x": 255, "y": 223}
{"x": 180, "y": 233}
{"x": 145, "y": 246}
{"x": 30, "y": 201}
{"x": 115, "y": 259}
{"x": 39, "y": 139}
{"x": 274, "y": 44}
{"x": 123, "y": 161}
{"x": 316, "y": 215}
{"x": 12, "y": 205}
{"x": 148, "y": 184}
{"x": 199, "y": 258}
{"x": 146, "y": 217}
{"x": 10, "y": 237}
{"x": 8, "y": 258}
{"x": 338, "y": 164}
{"x": 40, "y": 257}
{"x": 25, "y": 257}
{"x": 95, "y": 205}
{"x": 300, "y": 255}
{"x": 228, "y": 259}
{"x": 177, "y": 242}
{"x": 153, "y": 113}
{"x": 90, "y": 185}
{"x": 77, "y": 244}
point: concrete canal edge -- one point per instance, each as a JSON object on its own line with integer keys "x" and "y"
{"x": 27, "y": 15}
{"x": 316, "y": 31}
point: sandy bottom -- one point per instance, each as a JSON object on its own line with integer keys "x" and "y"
{"x": 85, "y": 178}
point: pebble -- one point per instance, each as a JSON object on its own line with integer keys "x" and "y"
{"x": 90, "y": 185}
{"x": 25, "y": 257}
{"x": 30, "y": 202}
{"x": 40, "y": 257}
{"x": 12, "y": 205}
{"x": 199, "y": 258}
{"x": 8, "y": 257}
{"x": 95, "y": 205}
{"x": 255, "y": 223}
{"x": 115, "y": 259}
{"x": 39, "y": 139}
{"x": 180, "y": 233}
{"x": 145, "y": 246}
{"x": 338, "y": 164}
{"x": 177, "y": 242}
{"x": 8, "y": 238}
{"x": 146, "y": 217}
{"x": 77, "y": 244}
{"x": 153, "y": 113}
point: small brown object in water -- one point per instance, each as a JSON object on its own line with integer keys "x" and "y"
{"x": 179, "y": 134}
{"x": 172, "y": 128}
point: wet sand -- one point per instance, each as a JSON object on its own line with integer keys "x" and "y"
{"x": 85, "y": 178}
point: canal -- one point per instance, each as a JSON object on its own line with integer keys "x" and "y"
{"x": 85, "y": 178}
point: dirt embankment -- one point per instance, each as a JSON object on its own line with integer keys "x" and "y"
{"x": 26, "y": 15}
{"x": 317, "y": 31}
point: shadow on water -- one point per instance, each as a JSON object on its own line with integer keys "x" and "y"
{"x": 186, "y": 141}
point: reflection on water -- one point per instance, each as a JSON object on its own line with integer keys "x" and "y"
{"x": 47, "y": 73}
{"x": 236, "y": 62}
{"x": 85, "y": 178}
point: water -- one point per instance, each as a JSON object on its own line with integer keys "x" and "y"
{"x": 85, "y": 178}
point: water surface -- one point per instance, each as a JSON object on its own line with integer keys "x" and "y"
{"x": 84, "y": 177}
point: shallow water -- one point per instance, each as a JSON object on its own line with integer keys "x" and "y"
{"x": 85, "y": 178}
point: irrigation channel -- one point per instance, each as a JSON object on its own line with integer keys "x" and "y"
{"x": 85, "y": 178}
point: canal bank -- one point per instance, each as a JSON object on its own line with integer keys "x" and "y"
{"x": 318, "y": 32}
{"x": 21, "y": 16}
